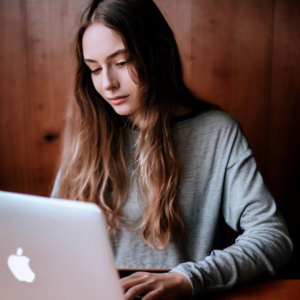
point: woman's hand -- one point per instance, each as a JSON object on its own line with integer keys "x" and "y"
{"x": 166, "y": 286}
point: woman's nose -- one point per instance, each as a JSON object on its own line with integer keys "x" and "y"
{"x": 109, "y": 81}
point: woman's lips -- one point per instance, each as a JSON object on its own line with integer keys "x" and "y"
{"x": 118, "y": 101}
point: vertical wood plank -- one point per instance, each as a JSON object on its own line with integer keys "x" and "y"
{"x": 48, "y": 87}
{"x": 211, "y": 53}
{"x": 14, "y": 168}
{"x": 284, "y": 136}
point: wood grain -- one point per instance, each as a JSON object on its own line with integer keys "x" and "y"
{"x": 14, "y": 154}
{"x": 283, "y": 160}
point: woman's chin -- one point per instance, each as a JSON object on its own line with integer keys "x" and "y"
{"x": 123, "y": 111}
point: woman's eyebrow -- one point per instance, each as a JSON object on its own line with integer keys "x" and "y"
{"x": 108, "y": 57}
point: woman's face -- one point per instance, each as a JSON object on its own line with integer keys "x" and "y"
{"x": 104, "y": 54}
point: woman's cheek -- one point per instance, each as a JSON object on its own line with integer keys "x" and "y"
{"x": 97, "y": 86}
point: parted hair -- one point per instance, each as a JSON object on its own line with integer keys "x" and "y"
{"x": 92, "y": 164}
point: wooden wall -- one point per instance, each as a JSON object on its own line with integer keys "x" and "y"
{"x": 242, "y": 54}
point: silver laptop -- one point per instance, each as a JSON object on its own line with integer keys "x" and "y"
{"x": 54, "y": 249}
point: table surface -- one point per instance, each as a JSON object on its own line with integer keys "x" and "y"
{"x": 266, "y": 290}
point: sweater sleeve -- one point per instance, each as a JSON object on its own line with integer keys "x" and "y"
{"x": 247, "y": 205}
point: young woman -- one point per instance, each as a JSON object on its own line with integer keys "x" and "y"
{"x": 167, "y": 169}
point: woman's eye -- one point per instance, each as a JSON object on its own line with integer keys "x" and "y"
{"x": 96, "y": 71}
{"x": 122, "y": 63}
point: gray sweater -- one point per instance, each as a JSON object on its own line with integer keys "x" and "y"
{"x": 220, "y": 182}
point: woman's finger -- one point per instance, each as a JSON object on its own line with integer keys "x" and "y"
{"x": 154, "y": 295}
{"x": 131, "y": 282}
{"x": 137, "y": 290}
{"x": 134, "y": 275}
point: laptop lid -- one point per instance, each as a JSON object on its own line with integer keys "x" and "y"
{"x": 54, "y": 249}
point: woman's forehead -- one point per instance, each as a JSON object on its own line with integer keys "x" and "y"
{"x": 99, "y": 42}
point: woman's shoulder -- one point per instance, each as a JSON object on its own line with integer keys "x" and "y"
{"x": 218, "y": 116}
{"x": 212, "y": 119}
{"x": 214, "y": 131}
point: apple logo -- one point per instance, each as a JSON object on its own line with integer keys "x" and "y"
{"x": 19, "y": 266}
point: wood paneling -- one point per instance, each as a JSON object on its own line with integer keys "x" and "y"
{"x": 35, "y": 85}
{"x": 14, "y": 154}
{"x": 47, "y": 85}
{"x": 283, "y": 175}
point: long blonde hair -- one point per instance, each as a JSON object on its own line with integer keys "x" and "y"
{"x": 92, "y": 165}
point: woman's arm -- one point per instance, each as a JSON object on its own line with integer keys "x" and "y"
{"x": 265, "y": 244}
